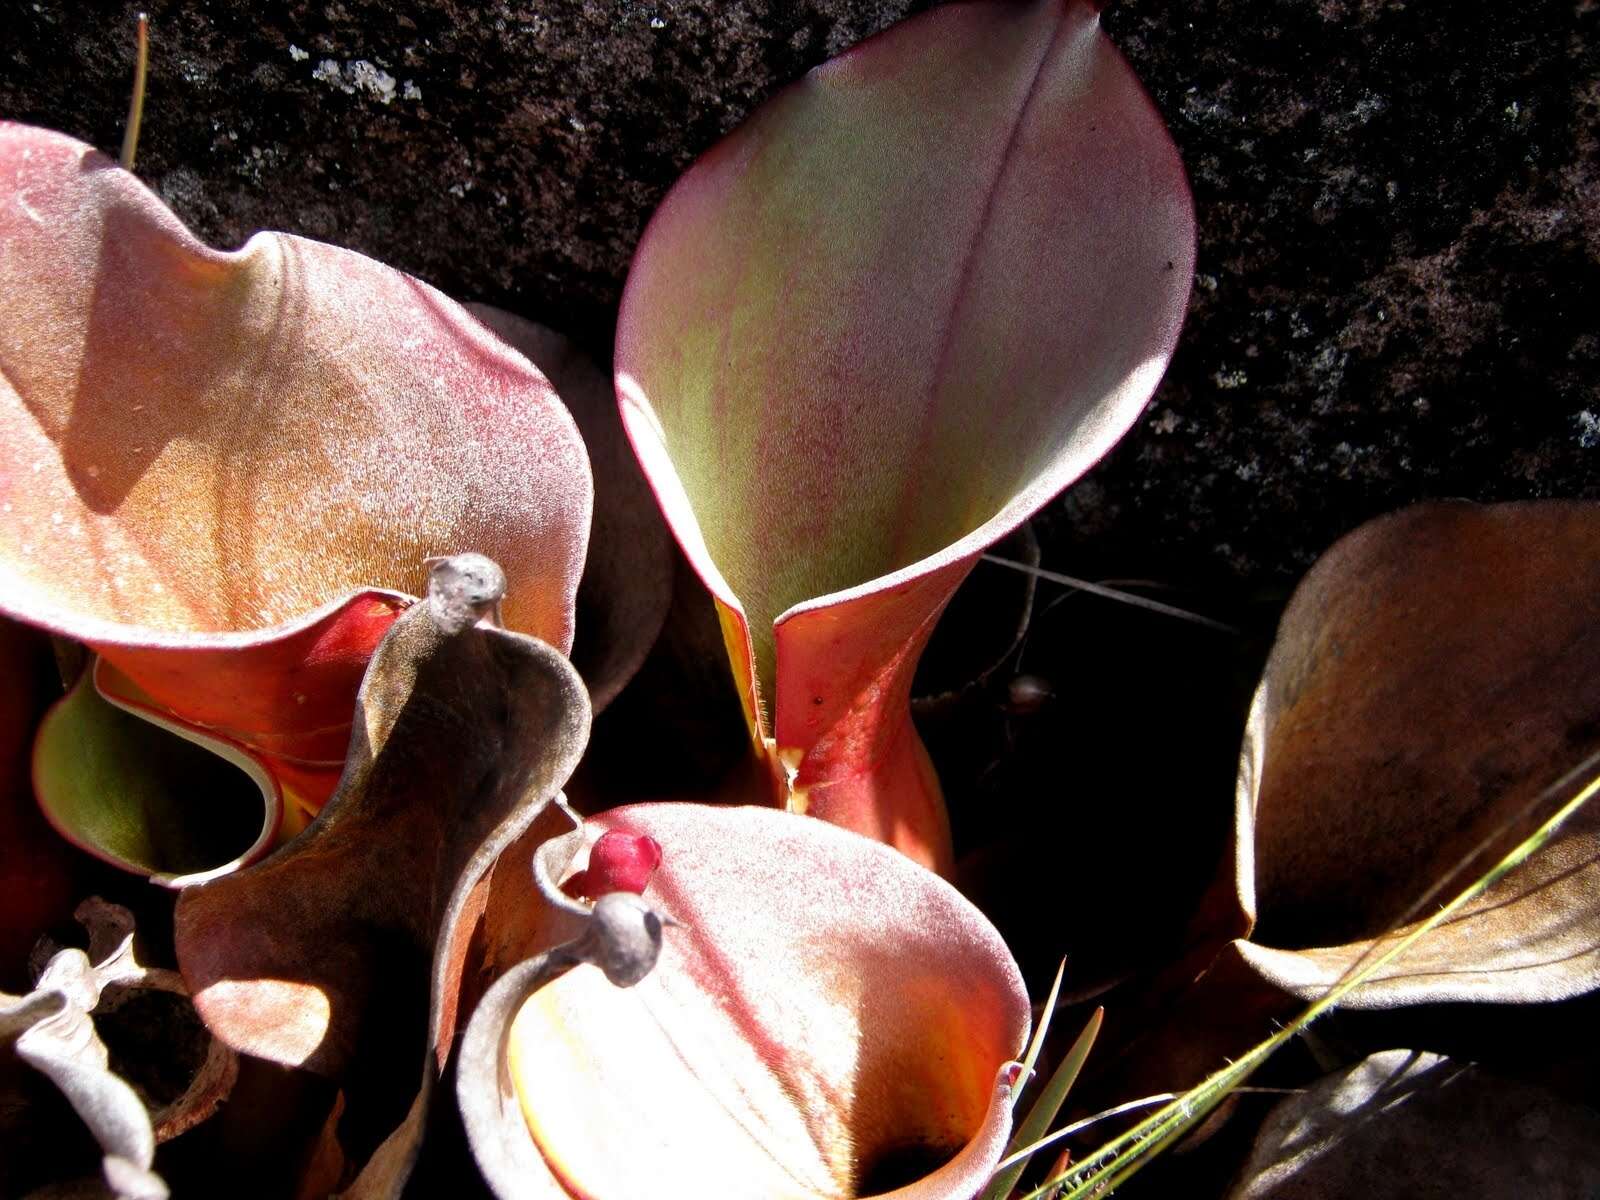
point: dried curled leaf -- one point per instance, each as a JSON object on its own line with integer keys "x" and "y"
{"x": 463, "y": 734}
{"x": 53, "y": 1029}
{"x": 1434, "y": 673}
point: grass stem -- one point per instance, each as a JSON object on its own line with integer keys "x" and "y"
{"x": 1111, "y": 593}
{"x": 141, "y": 64}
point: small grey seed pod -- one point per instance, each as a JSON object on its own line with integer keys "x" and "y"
{"x": 623, "y": 938}
{"x": 463, "y": 589}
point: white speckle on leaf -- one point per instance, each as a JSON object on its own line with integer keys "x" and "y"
{"x": 410, "y": 91}
{"x": 298, "y": 54}
{"x": 1230, "y": 379}
{"x": 32, "y": 213}
{"x": 658, "y": 23}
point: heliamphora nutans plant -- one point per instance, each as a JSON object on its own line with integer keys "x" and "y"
{"x": 464, "y": 734}
{"x": 861, "y": 1042}
{"x": 224, "y": 471}
{"x": 882, "y": 1015}
{"x": 917, "y": 294}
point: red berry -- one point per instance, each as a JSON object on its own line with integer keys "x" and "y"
{"x": 618, "y": 862}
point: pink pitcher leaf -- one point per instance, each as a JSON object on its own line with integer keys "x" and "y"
{"x": 212, "y": 453}
{"x": 627, "y": 577}
{"x": 861, "y": 1043}
{"x": 464, "y": 733}
{"x": 916, "y": 295}
{"x": 288, "y": 698}
{"x": 844, "y": 690}
{"x": 149, "y": 794}
{"x": 1435, "y": 672}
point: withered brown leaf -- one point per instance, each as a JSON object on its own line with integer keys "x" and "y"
{"x": 346, "y": 947}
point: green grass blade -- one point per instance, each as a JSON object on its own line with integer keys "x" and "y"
{"x": 1067, "y": 1131}
{"x": 1036, "y": 1043}
{"x": 995, "y": 1190}
{"x": 1115, "y": 1162}
{"x": 1044, "y": 1110}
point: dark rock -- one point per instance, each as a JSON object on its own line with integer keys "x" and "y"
{"x": 1404, "y": 1125}
{"x": 1398, "y": 274}
{"x": 1399, "y": 269}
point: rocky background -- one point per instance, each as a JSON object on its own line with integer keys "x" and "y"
{"x": 1397, "y": 297}
{"x": 1398, "y": 288}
